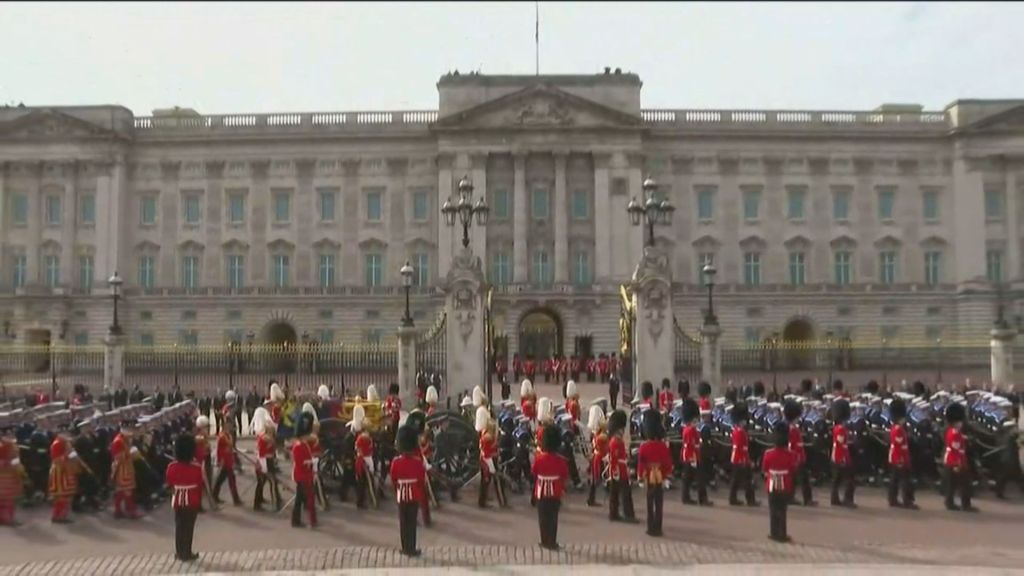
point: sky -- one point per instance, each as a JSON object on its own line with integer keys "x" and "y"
{"x": 268, "y": 57}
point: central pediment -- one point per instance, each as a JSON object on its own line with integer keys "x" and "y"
{"x": 51, "y": 124}
{"x": 539, "y": 107}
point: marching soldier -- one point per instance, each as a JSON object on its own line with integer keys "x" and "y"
{"x": 842, "y": 460}
{"x": 528, "y": 400}
{"x": 956, "y": 469}
{"x": 266, "y": 460}
{"x": 226, "y": 462}
{"x": 185, "y": 478}
{"x": 665, "y": 398}
{"x": 572, "y": 402}
{"x": 545, "y": 419}
{"x": 653, "y": 467}
{"x": 740, "y": 460}
{"x": 791, "y": 411}
{"x": 123, "y": 456}
{"x": 690, "y": 456}
{"x": 409, "y": 477}
{"x": 203, "y": 456}
{"x": 899, "y": 457}
{"x": 304, "y": 465}
{"x": 63, "y": 477}
{"x": 12, "y": 477}
{"x": 364, "y": 466}
{"x": 550, "y": 473}
{"x": 618, "y": 470}
{"x": 485, "y": 427}
{"x": 599, "y": 444}
{"x": 418, "y": 422}
{"x": 779, "y": 465}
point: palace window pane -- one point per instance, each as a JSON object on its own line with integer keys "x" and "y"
{"x": 887, "y": 267}
{"x": 797, "y": 268}
{"x": 19, "y": 209}
{"x": 236, "y": 209}
{"x": 374, "y": 270}
{"x": 282, "y": 207}
{"x": 420, "y": 206}
{"x": 190, "y": 272}
{"x": 326, "y": 270}
{"x": 841, "y": 205}
{"x": 236, "y": 271}
{"x": 994, "y": 199}
{"x": 85, "y": 265}
{"x": 501, "y": 269}
{"x": 930, "y": 199}
{"x": 374, "y": 206}
{"x": 500, "y": 209}
{"x": 282, "y": 263}
{"x": 705, "y": 204}
{"x": 52, "y": 269}
{"x": 843, "y": 272}
{"x": 146, "y": 271}
{"x": 20, "y": 271}
{"x": 752, "y": 268}
{"x": 932, "y": 267}
{"x": 193, "y": 210}
{"x": 87, "y": 209}
{"x": 541, "y": 204}
{"x": 541, "y": 267}
{"x": 795, "y": 199}
{"x": 886, "y": 203}
{"x": 994, "y": 265}
{"x": 751, "y": 204}
{"x": 580, "y": 205}
{"x": 581, "y": 269}
{"x": 147, "y": 214}
{"x": 327, "y": 198}
{"x": 53, "y": 210}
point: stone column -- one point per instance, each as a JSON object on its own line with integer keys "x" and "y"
{"x": 602, "y": 215}
{"x": 34, "y": 273}
{"x": 654, "y": 341}
{"x": 213, "y": 270}
{"x": 113, "y": 361}
{"x": 521, "y": 217}
{"x": 464, "y": 306}
{"x": 68, "y": 257}
{"x": 1002, "y": 355}
{"x": 1012, "y": 265}
{"x": 561, "y": 222}
{"x": 407, "y": 364}
{"x": 968, "y": 216}
{"x": 711, "y": 356}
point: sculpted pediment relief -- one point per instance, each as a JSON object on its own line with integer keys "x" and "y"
{"x": 539, "y": 107}
{"x": 43, "y": 124}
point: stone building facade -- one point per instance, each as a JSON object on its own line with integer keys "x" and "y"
{"x": 894, "y": 223}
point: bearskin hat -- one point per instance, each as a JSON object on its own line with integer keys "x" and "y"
{"x": 897, "y": 409}
{"x": 617, "y": 422}
{"x": 666, "y": 384}
{"x": 872, "y": 387}
{"x": 703, "y": 389}
{"x": 918, "y": 389}
{"x": 690, "y": 410}
{"x": 731, "y": 396}
{"x": 684, "y": 388}
{"x": 185, "y": 448}
{"x": 780, "y": 434}
{"x": 417, "y": 420}
{"x": 955, "y": 412}
{"x": 652, "y": 426}
{"x": 806, "y": 386}
{"x": 840, "y": 410}
{"x": 792, "y": 410}
{"x": 646, "y": 389}
{"x": 596, "y": 419}
{"x": 304, "y": 425}
{"x": 551, "y": 440}
{"x": 394, "y": 389}
{"x": 837, "y": 386}
{"x": 759, "y": 389}
{"x": 408, "y": 438}
{"x": 739, "y": 413}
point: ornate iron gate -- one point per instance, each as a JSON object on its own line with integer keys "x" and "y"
{"x": 627, "y": 324}
{"x": 432, "y": 350}
{"x": 687, "y": 354}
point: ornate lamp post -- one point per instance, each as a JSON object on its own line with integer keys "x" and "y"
{"x": 115, "y": 283}
{"x": 407, "y": 272}
{"x": 650, "y": 210}
{"x": 464, "y": 210}
{"x": 709, "y": 280}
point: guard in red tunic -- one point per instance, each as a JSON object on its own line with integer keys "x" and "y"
{"x": 741, "y": 465}
{"x": 599, "y": 444}
{"x": 618, "y": 470}
{"x": 602, "y": 367}
{"x": 690, "y": 456}
{"x": 528, "y": 400}
{"x": 226, "y": 462}
{"x": 393, "y": 407}
{"x": 792, "y": 410}
{"x": 545, "y": 418}
{"x": 63, "y": 477}
{"x": 572, "y": 402}
{"x": 550, "y": 472}
{"x": 517, "y": 366}
{"x": 12, "y": 475}
{"x": 275, "y": 403}
{"x": 204, "y": 456}
{"x": 409, "y": 477}
{"x": 665, "y": 398}
{"x": 530, "y": 368}
{"x": 653, "y": 467}
{"x": 488, "y": 453}
{"x": 779, "y": 465}
{"x": 417, "y": 420}
{"x": 123, "y": 456}
{"x": 303, "y": 471}
{"x": 364, "y": 464}
{"x": 185, "y": 478}
{"x": 266, "y": 459}
{"x": 899, "y": 457}
{"x": 842, "y": 460}
{"x": 955, "y": 467}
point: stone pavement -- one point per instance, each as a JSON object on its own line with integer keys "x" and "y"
{"x": 673, "y": 556}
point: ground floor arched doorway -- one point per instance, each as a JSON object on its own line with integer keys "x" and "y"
{"x": 280, "y": 338}
{"x": 540, "y": 334}
{"x": 798, "y": 350}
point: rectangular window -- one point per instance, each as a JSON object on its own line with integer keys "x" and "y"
{"x": 280, "y": 273}
{"x": 932, "y": 267}
{"x": 580, "y": 205}
{"x": 82, "y": 339}
{"x": 53, "y": 210}
{"x": 193, "y": 209}
{"x": 751, "y": 204}
{"x": 236, "y": 208}
{"x": 421, "y": 265}
{"x": 190, "y": 272}
{"x": 420, "y": 206}
{"x": 234, "y": 336}
{"x": 146, "y": 339}
{"x": 327, "y": 202}
{"x": 795, "y": 203}
{"x": 51, "y": 267}
{"x": 541, "y": 267}
{"x": 87, "y": 209}
{"x": 326, "y": 336}
{"x": 373, "y": 336}
{"x": 841, "y": 204}
{"x": 581, "y": 269}
{"x": 752, "y": 268}
{"x": 994, "y": 200}
{"x": 147, "y": 211}
{"x": 20, "y": 271}
{"x": 501, "y": 268}
{"x": 704, "y": 259}
{"x": 236, "y": 271}
{"x": 705, "y": 203}
{"x": 374, "y": 270}
{"x": 188, "y": 338}
{"x": 326, "y": 270}
{"x": 85, "y": 266}
{"x": 797, "y": 268}
{"x": 541, "y": 208}
{"x": 233, "y": 315}
{"x": 887, "y": 267}
{"x": 19, "y": 209}
{"x": 500, "y": 210}
{"x": 752, "y": 335}
{"x": 146, "y": 272}
{"x": 843, "y": 267}
{"x": 994, "y": 265}
{"x": 886, "y": 203}
{"x": 282, "y": 207}
{"x": 374, "y": 205}
{"x": 930, "y": 208}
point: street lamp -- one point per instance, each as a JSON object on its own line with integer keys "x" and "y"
{"x": 464, "y": 209}
{"x": 709, "y": 280}
{"x": 650, "y": 210}
{"x": 115, "y": 283}
{"x": 406, "y": 273}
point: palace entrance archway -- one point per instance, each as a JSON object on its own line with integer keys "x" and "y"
{"x": 540, "y": 334}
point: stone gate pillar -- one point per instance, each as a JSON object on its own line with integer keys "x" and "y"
{"x": 711, "y": 356}
{"x": 464, "y": 305}
{"x": 1001, "y": 343}
{"x": 654, "y": 341}
{"x": 407, "y": 364}
{"x": 113, "y": 361}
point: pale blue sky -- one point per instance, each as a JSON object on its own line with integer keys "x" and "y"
{"x": 222, "y": 58}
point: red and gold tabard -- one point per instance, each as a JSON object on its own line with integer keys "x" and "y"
{"x": 11, "y": 474}
{"x": 740, "y": 447}
{"x": 123, "y": 465}
{"x": 63, "y": 471}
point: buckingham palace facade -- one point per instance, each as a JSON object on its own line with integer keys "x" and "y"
{"x": 893, "y": 223}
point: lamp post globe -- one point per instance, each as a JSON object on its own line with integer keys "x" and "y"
{"x": 407, "y": 271}
{"x": 115, "y": 283}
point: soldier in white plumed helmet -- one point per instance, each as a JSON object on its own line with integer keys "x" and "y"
{"x": 232, "y": 410}
{"x": 275, "y": 402}
{"x": 572, "y": 401}
{"x": 528, "y": 400}
{"x": 479, "y": 399}
{"x": 363, "y": 466}
{"x": 599, "y": 450}
{"x": 545, "y": 417}
{"x": 488, "y": 457}
{"x": 266, "y": 460}
{"x": 203, "y": 453}
{"x": 431, "y": 400}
